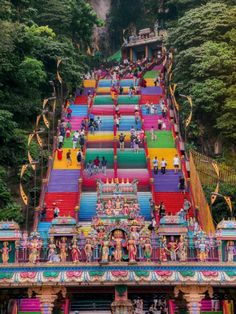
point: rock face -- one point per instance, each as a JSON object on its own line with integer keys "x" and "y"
{"x": 102, "y": 8}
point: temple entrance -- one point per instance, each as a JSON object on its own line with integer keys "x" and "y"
{"x": 91, "y": 303}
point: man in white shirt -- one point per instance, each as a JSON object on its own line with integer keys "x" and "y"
{"x": 163, "y": 166}
{"x": 155, "y": 165}
{"x": 176, "y": 163}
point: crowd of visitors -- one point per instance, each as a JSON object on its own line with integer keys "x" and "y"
{"x": 96, "y": 166}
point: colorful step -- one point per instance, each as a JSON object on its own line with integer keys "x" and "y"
{"x": 63, "y": 181}
{"x": 91, "y": 154}
{"x": 167, "y": 153}
{"x": 128, "y": 159}
{"x": 65, "y": 201}
{"x": 62, "y": 164}
{"x": 164, "y": 139}
{"x": 167, "y": 182}
{"x": 173, "y": 201}
{"x": 103, "y": 100}
{"x": 125, "y": 99}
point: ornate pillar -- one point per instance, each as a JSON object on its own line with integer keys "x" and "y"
{"x": 47, "y": 296}
{"x": 193, "y": 295}
{"x": 121, "y": 305}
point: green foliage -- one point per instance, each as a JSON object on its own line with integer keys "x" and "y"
{"x": 220, "y": 209}
{"x": 204, "y": 68}
{"x": 33, "y": 36}
{"x": 9, "y": 210}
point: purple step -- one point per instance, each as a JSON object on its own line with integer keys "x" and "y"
{"x": 151, "y": 90}
{"x": 167, "y": 182}
{"x": 64, "y": 181}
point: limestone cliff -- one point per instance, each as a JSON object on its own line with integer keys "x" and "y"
{"x": 102, "y": 8}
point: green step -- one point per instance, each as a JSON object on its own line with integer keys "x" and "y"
{"x": 103, "y": 100}
{"x": 164, "y": 140}
{"x": 68, "y": 142}
{"x": 130, "y": 160}
{"x": 124, "y": 99}
{"x": 152, "y": 74}
{"x": 107, "y": 153}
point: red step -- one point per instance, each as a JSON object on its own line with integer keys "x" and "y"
{"x": 66, "y": 202}
{"x": 173, "y": 201}
{"x": 81, "y": 100}
{"x": 155, "y": 99}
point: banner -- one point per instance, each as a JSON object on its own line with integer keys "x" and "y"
{"x": 229, "y": 203}
{"x": 37, "y": 121}
{"x": 22, "y": 193}
{"x": 40, "y": 142}
{"x": 45, "y": 101}
{"x": 54, "y": 105}
{"x": 189, "y": 119}
{"x": 30, "y": 138}
{"x": 45, "y": 120}
{"x": 217, "y": 170}
{"x": 31, "y": 160}
{"x": 59, "y": 78}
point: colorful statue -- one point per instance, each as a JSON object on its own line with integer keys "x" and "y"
{"x": 173, "y": 247}
{"x": 163, "y": 250}
{"x": 53, "y": 257}
{"x": 231, "y": 250}
{"x": 132, "y": 249}
{"x": 182, "y": 249}
{"x": 75, "y": 251}
{"x": 34, "y": 246}
{"x": 118, "y": 245}
{"x": 5, "y": 250}
{"x": 89, "y": 250}
{"x": 147, "y": 250}
{"x": 202, "y": 247}
{"x": 105, "y": 250}
{"x": 63, "y": 249}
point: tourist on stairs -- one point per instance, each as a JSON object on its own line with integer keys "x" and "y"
{"x": 56, "y": 211}
{"x": 68, "y": 158}
{"x": 79, "y": 157}
{"x": 176, "y": 164}
{"x": 153, "y": 135}
{"x": 181, "y": 184}
{"x": 155, "y": 165}
{"x": 163, "y": 166}
{"x": 122, "y": 141}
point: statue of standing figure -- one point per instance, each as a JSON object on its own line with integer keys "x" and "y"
{"x": 75, "y": 251}
{"x": 53, "y": 257}
{"x": 173, "y": 247}
{"x": 89, "y": 250}
{"x": 163, "y": 250}
{"x": 231, "y": 250}
{"x": 63, "y": 249}
{"x": 105, "y": 250}
{"x": 147, "y": 250}
{"x": 5, "y": 250}
{"x": 132, "y": 249}
{"x": 34, "y": 246}
{"x": 182, "y": 249}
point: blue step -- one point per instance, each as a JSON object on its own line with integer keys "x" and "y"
{"x": 79, "y": 111}
{"x": 43, "y": 228}
{"x": 143, "y": 198}
{"x": 87, "y": 206}
{"x": 105, "y": 83}
{"x": 127, "y": 122}
{"x": 128, "y": 83}
{"x": 144, "y": 110}
{"x": 107, "y": 123}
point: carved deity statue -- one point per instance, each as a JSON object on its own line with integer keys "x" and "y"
{"x": 34, "y": 246}
{"x": 75, "y": 251}
{"x": 5, "y": 250}
{"x": 163, "y": 250}
{"x": 182, "y": 249}
{"x": 53, "y": 257}
{"x": 105, "y": 250}
{"x": 118, "y": 245}
{"x": 147, "y": 250}
{"x": 173, "y": 247}
{"x": 63, "y": 249}
{"x": 231, "y": 250}
{"x": 132, "y": 249}
{"x": 89, "y": 250}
